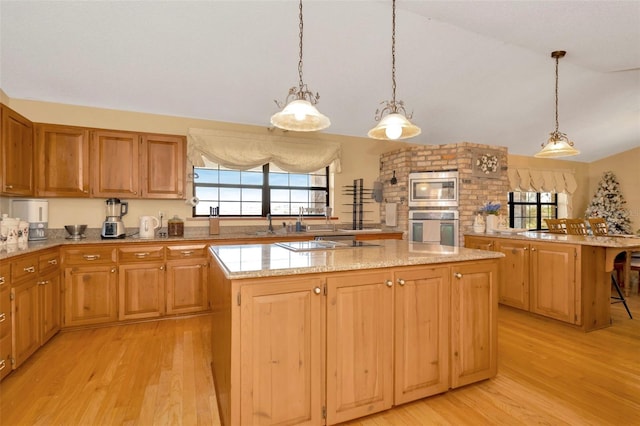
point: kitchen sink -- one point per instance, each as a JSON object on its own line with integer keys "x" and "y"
{"x": 323, "y": 245}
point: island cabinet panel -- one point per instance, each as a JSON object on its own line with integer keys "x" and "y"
{"x": 553, "y": 281}
{"x": 115, "y": 164}
{"x": 421, "y": 333}
{"x": 141, "y": 290}
{"x": 359, "y": 344}
{"x": 474, "y": 322}
{"x": 281, "y": 352}
{"x": 62, "y": 161}
{"x": 513, "y": 288}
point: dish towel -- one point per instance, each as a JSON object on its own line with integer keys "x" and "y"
{"x": 391, "y": 214}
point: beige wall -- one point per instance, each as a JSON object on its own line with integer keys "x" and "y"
{"x": 626, "y": 167}
{"x": 360, "y": 159}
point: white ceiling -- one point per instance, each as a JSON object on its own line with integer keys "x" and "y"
{"x": 476, "y": 71}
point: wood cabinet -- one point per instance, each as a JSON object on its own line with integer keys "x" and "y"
{"x": 133, "y": 165}
{"x": 359, "y": 344}
{"x": 16, "y": 154}
{"x": 422, "y": 296}
{"x": 553, "y": 281}
{"x": 61, "y": 161}
{"x": 281, "y": 355}
{"x": 6, "y": 334}
{"x": 513, "y": 287}
{"x": 49, "y": 294}
{"x": 187, "y": 272}
{"x": 474, "y": 322}
{"x": 141, "y": 282}
{"x": 24, "y": 308}
{"x": 480, "y": 243}
{"x": 90, "y": 285}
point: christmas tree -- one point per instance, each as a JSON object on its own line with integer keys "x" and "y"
{"x": 608, "y": 203}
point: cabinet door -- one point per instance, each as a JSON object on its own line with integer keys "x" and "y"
{"x": 480, "y": 243}
{"x": 90, "y": 295}
{"x": 421, "y": 333}
{"x": 513, "y": 287}
{"x": 16, "y": 142}
{"x": 50, "y": 304}
{"x": 26, "y": 331}
{"x": 114, "y": 164}
{"x": 359, "y": 345}
{"x": 474, "y": 333}
{"x": 281, "y": 352}
{"x": 162, "y": 167}
{"x": 187, "y": 286}
{"x": 553, "y": 281}
{"x": 141, "y": 290}
{"x": 6, "y": 334}
{"x": 62, "y": 161}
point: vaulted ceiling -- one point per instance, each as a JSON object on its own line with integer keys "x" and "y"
{"x": 476, "y": 71}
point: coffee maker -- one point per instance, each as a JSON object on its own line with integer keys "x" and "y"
{"x": 113, "y": 227}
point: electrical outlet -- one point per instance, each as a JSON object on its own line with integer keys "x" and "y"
{"x": 161, "y": 214}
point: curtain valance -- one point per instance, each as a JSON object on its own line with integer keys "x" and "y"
{"x": 237, "y": 150}
{"x": 522, "y": 179}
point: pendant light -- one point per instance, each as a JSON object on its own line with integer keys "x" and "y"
{"x": 300, "y": 114}
{"x": 558, "y": 144}
{"x": 395, "y": 124}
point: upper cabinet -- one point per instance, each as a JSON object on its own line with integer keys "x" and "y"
{"x": 16, "y": 154}
{"x": 133, "y": 165}
{"x": 62, "y": 161}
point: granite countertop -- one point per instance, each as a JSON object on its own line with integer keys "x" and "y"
{"x": 58, "y": 239}
{"x": 267, "y": 260}
{"x": 615, "y": 241}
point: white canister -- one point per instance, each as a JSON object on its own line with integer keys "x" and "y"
{"x": 148, "y": 226}
{"x": 9, "y": 230}
{"x": 23, "y": 231}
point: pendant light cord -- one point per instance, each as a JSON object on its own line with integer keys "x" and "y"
{"x": 393, "y": 56}
{"x": 557, "y": 61}
{"x": 301, "y": 27}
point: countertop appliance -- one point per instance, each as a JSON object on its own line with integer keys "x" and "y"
{"x": 434, "y": 226}
{"x": 433, "y": 189}
{"x": 36, "y": 212}
{"x": 113, "y": 227}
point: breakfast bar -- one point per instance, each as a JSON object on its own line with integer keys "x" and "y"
{"x": 314, "y": 332}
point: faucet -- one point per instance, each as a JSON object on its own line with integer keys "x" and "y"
{"x": 270, "y": 224}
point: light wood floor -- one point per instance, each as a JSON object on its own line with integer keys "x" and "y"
{"x": 159, "y": 373}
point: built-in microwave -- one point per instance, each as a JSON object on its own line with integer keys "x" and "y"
{"x": 433, "y": 189}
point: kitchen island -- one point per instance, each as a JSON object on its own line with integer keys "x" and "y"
{"x": 322, "y": 336}
{"x": 564, "y": 277}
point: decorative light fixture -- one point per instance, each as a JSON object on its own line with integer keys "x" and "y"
{"x": 395, "y": 125}
{"x": 300, "y": 114}
{"x": 558, "y": 144}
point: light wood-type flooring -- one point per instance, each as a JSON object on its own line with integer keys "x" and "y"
{"x": 159, "y": 373}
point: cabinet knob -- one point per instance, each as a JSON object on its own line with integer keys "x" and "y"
{"x": 3, "y": 316}
{"x": 162, "y": 268}
{"x": 401, "y": 281}
{"x": 30, "y": 269}
{"x": 1, "y": 280}
{"x": 526, "y": 248}
{"x": 141, "y": 255}
{"x": 113, "y": 270}
{"x": 457, "y": 275}
{"x": 533, "y": 249}
{"x": 2, "y": 364}
{"x": 91, "y": 256}
{"x": 389, "y": 283}
{"x": 186, "y": 252}
{"x": 317, "y": 290}
{"x": 9, "y": 186}
{"x": 53, "y": 262}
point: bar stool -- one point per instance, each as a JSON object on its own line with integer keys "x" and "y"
{"x": 599, "y": 228}
{"x": 576, "y": 227}
{"x": 556, "y": 226}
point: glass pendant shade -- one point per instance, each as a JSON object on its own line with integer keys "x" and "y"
{"x": 300, "y": 116}
{"x": 557, "y": 148}
{"x": 394, "y": 126}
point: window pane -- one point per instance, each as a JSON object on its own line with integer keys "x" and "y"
{"x": 229, "y": 176}
{"x": 250, "y": 194}
{"x": 299, "y": 180}
{"x": 279, "y": 195}
{"x": 300, "y": 196}
{"x": 251, "y": 178}
{"x": 230, "y": 194}
{"x": 278, "y": 179}
{"x": 205, "y": 176}
{"x": 206, "y": 193}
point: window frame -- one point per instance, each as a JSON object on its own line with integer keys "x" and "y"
{"x": 265, "y": 188}
{"x": 538, "y": 204}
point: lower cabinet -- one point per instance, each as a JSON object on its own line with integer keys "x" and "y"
{"x": 50, "y": 290}
{"x": 291, "y": 350}
{"x": 513, "y": 288}
{"x": 26, "y": 333}
{"x": 141, "y": 290}
{"x": 6, "y": 333}
{"x": 187, "y": 286}
{"x": 90, "y": 295}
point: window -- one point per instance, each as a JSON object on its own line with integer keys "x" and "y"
{"x": 260, "y": 191}
{"x": 528, "y": 209}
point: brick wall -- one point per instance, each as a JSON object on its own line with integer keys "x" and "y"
{"x": 474, "y": 191}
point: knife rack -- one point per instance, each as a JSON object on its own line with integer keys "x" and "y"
{"x": 357, "y": 192}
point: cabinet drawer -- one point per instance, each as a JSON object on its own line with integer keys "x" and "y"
{"x": 89, "y": 255}
{"x": 49, "y": 261}
{"x": 24, "y": 268}
{"x": 186, "y": 251}
{"x": 140, "y": 253}
{"x": 5, "y": 273}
